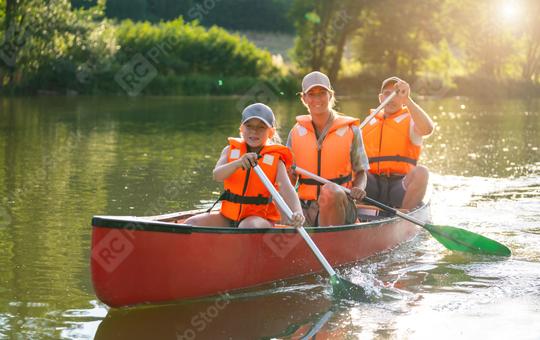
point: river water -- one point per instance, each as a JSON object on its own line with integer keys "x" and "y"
{"x": 63, "y": 160}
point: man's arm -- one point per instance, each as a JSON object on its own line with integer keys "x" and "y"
{"x": 423, "y": 125}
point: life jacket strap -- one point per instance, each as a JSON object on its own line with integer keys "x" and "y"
{"x": 393, "y": 159}
{"x": 340, "y": 180}
{"x": 234, "y": 198}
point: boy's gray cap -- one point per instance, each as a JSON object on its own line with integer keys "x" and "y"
{"x": 387, "y": 81}
{"x": 259, "y": 111}
{"x": 315, "y": 78}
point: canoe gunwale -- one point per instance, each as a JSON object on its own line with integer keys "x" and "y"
{"x": 157, "y": 224}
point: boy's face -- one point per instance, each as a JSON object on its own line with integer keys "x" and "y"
{"x": 255, "y": 132}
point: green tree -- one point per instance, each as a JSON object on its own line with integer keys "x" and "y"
{"x": 323, "y": 28}
{"x": 531, "y": 64}
{"x": 489, "y": 45}
{"x": 50, "y": 40}
{"x": 395, "y": 37}
{"x": 14, "y": 34}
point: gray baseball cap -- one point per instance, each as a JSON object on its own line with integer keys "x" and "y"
{"x": 387, "y": 81}
{"x": 259, "y": 111}
{"x": 315, "y": 78}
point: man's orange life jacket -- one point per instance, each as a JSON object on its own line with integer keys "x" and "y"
{"x": 245, "y": 194}
{"x": 388, "y": 144}
{"x": 331, "y": 160}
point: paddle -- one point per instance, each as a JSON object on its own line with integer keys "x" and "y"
{"x": 341, "y": 288}
{"x": 379, "y": 108}
{"x": 452, "y": 238}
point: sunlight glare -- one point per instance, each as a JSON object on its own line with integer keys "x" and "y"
{"x": 510, "y": 10}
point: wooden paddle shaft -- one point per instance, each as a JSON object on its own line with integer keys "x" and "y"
{"x": 285, "y": 208}
{"x": 379, "y": 108}
{"x": 367, "y": 199}
{"x": 275, "y": 194}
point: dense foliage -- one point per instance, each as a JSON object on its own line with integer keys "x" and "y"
{"x": 57, "y": 48}
{"x": 257, "y": 15}
{"x": 450, "y": 45}
{"x": 463, "y": 43}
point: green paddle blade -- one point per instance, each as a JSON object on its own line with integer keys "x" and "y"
{"x": 345, "y": 289}
{"x": 462, "y": 240}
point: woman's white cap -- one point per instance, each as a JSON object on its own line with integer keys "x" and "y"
{"x": 315, "y": 78}
{"x": 259, "y": 111}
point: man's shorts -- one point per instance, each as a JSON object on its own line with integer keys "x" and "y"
{"x": 389, "y": 190}
{"x": 311, "y": 212}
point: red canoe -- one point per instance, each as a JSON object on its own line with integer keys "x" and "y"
{"x": 157, "y": 259}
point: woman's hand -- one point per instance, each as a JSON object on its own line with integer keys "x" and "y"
{"x": 248, "y": 160}
{"x": 297, "y": 219}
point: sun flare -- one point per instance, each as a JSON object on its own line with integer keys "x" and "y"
{"x": 510, "y": 10}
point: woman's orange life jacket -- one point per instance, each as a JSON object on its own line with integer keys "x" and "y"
{"x": 331, "y": 160}
{"x": 388, "y": 144}
{"x": 245, "y": 194}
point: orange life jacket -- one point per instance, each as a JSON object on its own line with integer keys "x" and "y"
{"x": 245, "y": 194}
{"x": 332, "y": 160}
{"x": 388, "y": 144}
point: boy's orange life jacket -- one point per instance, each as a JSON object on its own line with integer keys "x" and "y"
{"x": 388, "y": 144}
{"x": 331, "y": 160}
{"x": 245, "y": 194}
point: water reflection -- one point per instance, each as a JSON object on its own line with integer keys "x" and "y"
{"x": 273, "y": 315}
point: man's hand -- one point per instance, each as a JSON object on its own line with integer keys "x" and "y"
{"x": 357, "y": 193}
{"x": 297, "y": 219}
{"x": 403, "y": 91}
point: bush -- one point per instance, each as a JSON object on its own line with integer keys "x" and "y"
{"x": 178, "y": 48}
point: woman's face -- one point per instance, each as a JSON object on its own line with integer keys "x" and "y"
{"x": 255, "y": 132}
{"x": 317, "y": 100}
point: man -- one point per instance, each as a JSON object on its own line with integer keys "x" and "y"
{"x": 330, "y": 145}
{"x": 393, "y": 140}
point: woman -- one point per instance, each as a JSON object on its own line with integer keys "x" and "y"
{"x": 329, "y": 144}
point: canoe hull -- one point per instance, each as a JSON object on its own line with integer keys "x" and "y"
{"x": 143, "y": 261}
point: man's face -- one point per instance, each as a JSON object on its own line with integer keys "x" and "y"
{"x": 395, "y": 104}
